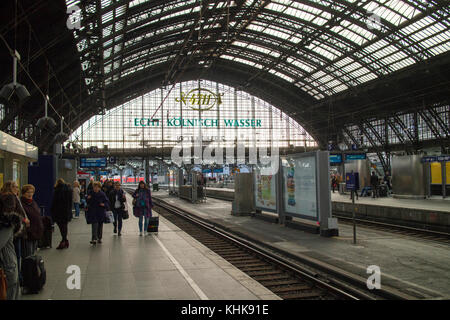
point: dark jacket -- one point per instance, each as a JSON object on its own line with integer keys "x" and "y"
{"x": 11, "y": 214}
{"x": 96, "y": 213}
{"x": 374, "y": 180}
{"x": 112, "y": 198}
{"x": 36, "y": 229}
{"x": 61, "y": 208}
{"x": 139, "y": 208}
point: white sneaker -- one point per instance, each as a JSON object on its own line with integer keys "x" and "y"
{"x": 145, "y": 233}
{"x": 140, "y": 233}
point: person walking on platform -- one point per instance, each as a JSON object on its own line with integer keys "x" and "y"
{"x": 10, "y": 193}
{"x": 36, "y": 229}
{"x": 374, "y": 184}
{"x": 333, "y": 183}
{"x": 61, "y": 210}
{"x": 76, "y": 199}
{"x": 142, "y": 205}
{"x": 117, "y": 201}
{"x": 97, "y": 205}
{"x": 12, "y": 224}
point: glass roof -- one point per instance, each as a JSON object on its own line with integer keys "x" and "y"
{"x": 321, "y": 46}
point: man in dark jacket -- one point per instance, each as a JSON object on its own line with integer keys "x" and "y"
{"x": 374, "y": 184}
{"x": 117, "y": 201}
{"x": 98, "y": 204}
{"x": 61, "y": 210}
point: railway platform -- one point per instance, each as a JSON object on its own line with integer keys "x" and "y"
{"x": 433, "y": 214}
{"x": 416, "y": 267}
{"x": 168, "y": 266}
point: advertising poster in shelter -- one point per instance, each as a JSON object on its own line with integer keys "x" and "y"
{"x": 265, "y": 191}
{"x": 299, "y": 186}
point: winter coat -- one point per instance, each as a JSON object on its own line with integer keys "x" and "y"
{"x": 36, "y": 229}
{"x": 112, "y": 199}
{"x": 11, "y": 210}
{"x": 61, "y": 208}
{"x": 143, "y": 204}
{"x": 96, "y": 213}
{"x": 76, "y": 195}
{"x": 11, "y": 214}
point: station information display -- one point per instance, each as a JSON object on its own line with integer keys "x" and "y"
{"x": 299, "y": 186}
{"x": 335, "y": 158}
{"x": 93, "y": 162}
{"x": 265, "y": 190}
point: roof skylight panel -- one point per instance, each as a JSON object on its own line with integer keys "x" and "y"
{"x": 136, "y": 2}
{"x": 107, "y": 17}
{"x": 275, "y": 7}
{"x": 300, "y": 65}
{"x": 402, "y": 64}
{"x": 281, "y": 75}
{"x": 324, "y": 53}
{"x": 105, "y": 3}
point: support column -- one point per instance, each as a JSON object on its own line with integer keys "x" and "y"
{"x": 146, "y": 171}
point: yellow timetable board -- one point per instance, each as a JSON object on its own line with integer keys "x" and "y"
{"x": 436, "y": 172}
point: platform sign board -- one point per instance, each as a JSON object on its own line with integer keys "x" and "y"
{"x": 335, "y": 158}
{"x": 355, "y": 156}
{"x": 300, "y": 192}
{"x": 265, "y": 189}
{"x": 429, "y": 159}
{"x": 352, "y": 181}
{"x": 93, "y": 162}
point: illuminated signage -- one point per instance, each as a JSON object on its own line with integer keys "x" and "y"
{"x": 200, "y": 99}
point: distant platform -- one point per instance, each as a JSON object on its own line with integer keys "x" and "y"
{"x": 425, "y": 213}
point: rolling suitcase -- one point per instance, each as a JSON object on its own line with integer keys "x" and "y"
{"x": 153, "y": 224}
{"x": 46, "y": 239}
{"x": 33, "y": 274}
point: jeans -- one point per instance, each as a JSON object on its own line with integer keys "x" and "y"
{"x": 141, "y": 218}
{"x": 77, "y": 209}
{"x": 117, "y": 218}
{"x": 97, "y": 231}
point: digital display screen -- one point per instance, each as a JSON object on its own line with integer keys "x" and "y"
{"x": 355, "y": 156}
{"x": 335, "y": 158}
{"x": 93, "y": 162}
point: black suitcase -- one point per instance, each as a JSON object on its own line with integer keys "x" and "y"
{"x": 46, "y": 239}
{"x": 33, "y": 274}
{"x": 153, "y": 224}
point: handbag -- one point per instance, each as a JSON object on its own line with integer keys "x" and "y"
{"x": 109, "y": 217}
{"x": 125, "y": 215}
{"x": 3, "y": 285}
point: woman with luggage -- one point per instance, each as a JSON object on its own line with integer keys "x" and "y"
{"x": 97, "y": 205}
{"x": 142, "y": 205}
{"x": 11, "y": 190}
{"x": 117, "y": 201}
{"x": 61, "y": 210}
{"x": 36, "y": 229}
{"x": 76, "y": 198}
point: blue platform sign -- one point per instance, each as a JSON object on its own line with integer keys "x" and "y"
{"x": 354, "y": 147}
{"x": 335, "y": 158}
{"x": 355, "y": 156}
{"x": 352, "y": 181}
{"x": 93, "y": 162}
{"x": 103, "y": 173}
{"x": 443, "y": 158}
{"x": 429, "y": 159}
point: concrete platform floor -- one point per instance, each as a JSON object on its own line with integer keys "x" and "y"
{"x": 170, "y": 265}
{"x": 424, "y": 204}
{"x": 418, "y": 267}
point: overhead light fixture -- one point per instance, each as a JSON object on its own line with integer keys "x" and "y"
{"x": 61, "y": 136}
{"x": 8, "y": 90}
{"x": 46, "y": 122}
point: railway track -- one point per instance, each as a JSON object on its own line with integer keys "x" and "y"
{"x": 397, "y": 229}
{"x": 282, "y": 276}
